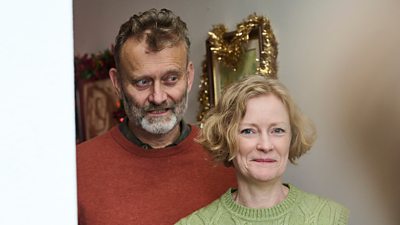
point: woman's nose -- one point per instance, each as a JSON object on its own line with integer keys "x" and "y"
{"x": 264, "y": 143}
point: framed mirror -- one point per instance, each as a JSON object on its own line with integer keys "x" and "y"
{"x": 250, "y": 49}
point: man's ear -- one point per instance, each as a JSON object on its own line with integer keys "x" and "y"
{"x": 113, "y": 73}
{"x": 190, "y": 75}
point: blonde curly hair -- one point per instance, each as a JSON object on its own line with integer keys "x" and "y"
{"x": 221, "y": 123}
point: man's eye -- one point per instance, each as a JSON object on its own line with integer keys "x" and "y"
{"x": 172, "y": 79}
{"x": 247, "y": 131}
{"x": 142, "y": 82}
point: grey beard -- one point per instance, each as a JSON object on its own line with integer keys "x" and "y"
{"x": 161, "y": 125}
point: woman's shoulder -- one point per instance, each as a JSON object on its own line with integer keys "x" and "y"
{"x": 314, "y": 201}
{"x": 323, "y": 209}
{"x": 204, "y": 215}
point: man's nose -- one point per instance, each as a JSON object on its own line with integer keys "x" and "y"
{"x": 158, "y": 95}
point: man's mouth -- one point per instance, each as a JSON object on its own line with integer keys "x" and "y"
{"x": 158, "y": 112}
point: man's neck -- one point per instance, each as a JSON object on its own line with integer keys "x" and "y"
{"x": 155, "y": 140}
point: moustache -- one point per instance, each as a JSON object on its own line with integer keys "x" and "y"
{"x": 154, "y": 107}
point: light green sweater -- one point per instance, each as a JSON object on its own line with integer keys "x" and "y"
{"x": 299, "y": 208}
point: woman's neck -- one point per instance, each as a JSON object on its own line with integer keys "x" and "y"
{"x": 264, "y": 195}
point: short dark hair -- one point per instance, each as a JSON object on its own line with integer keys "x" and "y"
{"x": 160, "y": 29}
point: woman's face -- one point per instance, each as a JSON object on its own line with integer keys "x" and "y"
{"x": 264, "y": 140}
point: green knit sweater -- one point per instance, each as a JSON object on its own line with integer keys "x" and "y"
{"x": 299, "y": 208}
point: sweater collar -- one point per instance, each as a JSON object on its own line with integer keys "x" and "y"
{"x": 260, "y": 214}
{"x": 186, "y": 144}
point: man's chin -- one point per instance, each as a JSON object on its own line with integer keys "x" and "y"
{"x": 158, "y": 119}
{"x": 159, "y": 125}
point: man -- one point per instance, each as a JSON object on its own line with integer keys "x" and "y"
{"x": 148, "y": 170}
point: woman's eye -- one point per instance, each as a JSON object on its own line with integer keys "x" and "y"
{"x": 247, "y": 131}
{"x": 278, "y": 130}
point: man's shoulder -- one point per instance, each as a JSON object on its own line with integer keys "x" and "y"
{"x": 98, "y": 150}
{"x": 98, "y": 141}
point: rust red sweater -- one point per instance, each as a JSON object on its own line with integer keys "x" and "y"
{"x": 120, "y": 183}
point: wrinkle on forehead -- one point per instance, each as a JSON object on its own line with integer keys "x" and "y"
{"x": 137, "y": 57}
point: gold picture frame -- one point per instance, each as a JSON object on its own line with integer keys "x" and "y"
{"x": 250, "y": 49}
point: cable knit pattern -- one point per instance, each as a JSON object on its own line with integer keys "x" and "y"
{"x": 299, "y": 208}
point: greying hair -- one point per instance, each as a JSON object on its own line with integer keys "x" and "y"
{"x": 159, "y": 28}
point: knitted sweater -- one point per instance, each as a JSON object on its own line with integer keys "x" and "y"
{"x": 299, "y": 208}
{"x": 120, "y": 183}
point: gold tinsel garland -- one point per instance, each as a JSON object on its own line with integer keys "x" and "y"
{"x": 229, "y": 52}
{"x": 204, "y": 98}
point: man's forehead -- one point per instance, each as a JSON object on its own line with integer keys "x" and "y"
{"x": 135, "y": 56}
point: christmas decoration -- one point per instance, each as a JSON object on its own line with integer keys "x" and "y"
{"x": 228, "y": 51}
{"x": 95, "y": 67}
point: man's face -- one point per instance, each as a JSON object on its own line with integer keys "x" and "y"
{"x": 154, "y": 85}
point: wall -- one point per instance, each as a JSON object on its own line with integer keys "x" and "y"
{"x": 340, "y": 59}
{"x": 37, "y": 134}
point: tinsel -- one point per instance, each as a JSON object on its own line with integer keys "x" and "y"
{"x": 204, "y": 98}
{"x": 228, "y": 52}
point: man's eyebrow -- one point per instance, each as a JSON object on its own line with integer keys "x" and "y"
{"x": 180, "y": 71}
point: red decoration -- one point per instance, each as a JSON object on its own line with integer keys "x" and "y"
{"x": 95, "y": 67}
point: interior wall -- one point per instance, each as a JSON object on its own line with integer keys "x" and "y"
{"x": 37, "y": 133}
{"x": 340, "y": 60}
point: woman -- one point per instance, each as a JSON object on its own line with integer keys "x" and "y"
{"x": 257, "y": 129}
